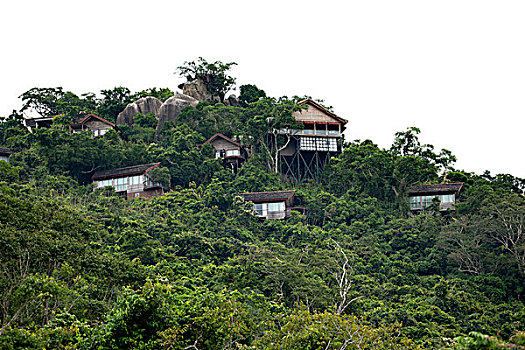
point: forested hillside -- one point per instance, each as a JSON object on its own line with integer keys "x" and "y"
{"x": 83, "y": 268}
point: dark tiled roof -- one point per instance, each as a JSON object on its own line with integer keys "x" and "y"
{"x": 5, "y": 151}
{"x": 222, "y": 137}
{"x": 121, "y": 172}
{"x": 91, "y": 116}
{"x": 263, "y": 197}
{"x": 435, "y": 189}
{"x": 39, "y": 117}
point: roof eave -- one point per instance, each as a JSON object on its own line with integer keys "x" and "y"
{"x": 208, "y": 141}
{"x": 322, "y": 109}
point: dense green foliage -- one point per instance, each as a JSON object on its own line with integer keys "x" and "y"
{"x": 195, "y": 268}
{"x": 56, "y": 101}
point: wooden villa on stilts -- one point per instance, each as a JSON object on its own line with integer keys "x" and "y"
{"x": 273, "y": 205}
{"x": 232, "y": 153}
{"x": 130, "y": 182}
{"x": 311, "y": 148}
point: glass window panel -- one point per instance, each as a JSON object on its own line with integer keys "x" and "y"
{"x": 415, "y": 202}
{"x": 121, "y": 184}
{"x": 232, "y": 152}
{"x": 332, "y": 145}
{"x": 447, "y": 198}
{"x": 135, "y": 180}
{"x": 276, "y": 206}
{"x": 322, "y": 144}
{"x": 427, "y": 200}
{"x": 307, "y": 143}
{"x": 261, "y": 209}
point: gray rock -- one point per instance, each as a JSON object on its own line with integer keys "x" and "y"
{"x": 197, "y": 90}
{"x": 232, "y": 100}
{"x": 143, "y": 105}
{"x": 171, "y": 108}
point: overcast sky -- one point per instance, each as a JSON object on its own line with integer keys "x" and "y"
{"x": 455, "y": 69}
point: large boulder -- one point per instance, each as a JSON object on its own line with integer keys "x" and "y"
{"x": 197, "y": 90}
{"x": 143, "y": 105}
{"x": 170, "y": 109}
{"x": 232, "y": 100}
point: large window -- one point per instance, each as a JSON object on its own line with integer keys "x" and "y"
{"x": 261, "y": 209}
{"x": 323, "y": 144}
{"x": 446, "y": 198}
{"x": 420, "y": 202}
{"x": 136, "y": 180}
{"x": 104, "y": 183}
{"x": 219, "y": 153}
{"x": 308, "y": 144}
{"x": 279, "y": 206}
{"x": 415, "y": 202}
{"x": 99, "y": 132}
{"x": 232, "y": 153}
{"x": 148, "y": 182}
{"x": 121, "y": 184}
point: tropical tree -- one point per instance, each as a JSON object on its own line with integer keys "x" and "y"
{"x": 214, "y": 75}
{"x": 250, "y": 93}
{"x": 56, "y": 101}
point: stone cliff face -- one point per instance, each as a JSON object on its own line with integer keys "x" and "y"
{"x": 143, "y": 105}
{"x": 171, "y": 108}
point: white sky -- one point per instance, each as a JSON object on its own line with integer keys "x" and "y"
{"x": 453, "y": 68}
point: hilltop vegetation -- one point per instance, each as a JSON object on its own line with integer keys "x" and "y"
{"x": 195, "y": 269}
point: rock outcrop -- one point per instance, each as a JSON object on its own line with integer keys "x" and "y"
{"x": 231, "y": 100}
{"x": 197, "y": 90}
{"x": 171, "y": 108}
{"x": 143, "y": 105}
